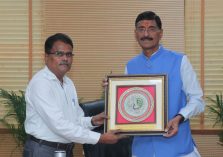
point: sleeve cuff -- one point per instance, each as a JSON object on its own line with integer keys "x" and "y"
{"x": 95, "y": 137}
{"x": 182, "y": 117}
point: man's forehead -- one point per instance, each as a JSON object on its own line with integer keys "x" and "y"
{"x": 61, "y": 45}
{"x": 146, "y": 23}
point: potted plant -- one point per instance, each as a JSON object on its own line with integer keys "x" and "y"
{"x": 216, "y": 108}
{"x": 15, "y": 103}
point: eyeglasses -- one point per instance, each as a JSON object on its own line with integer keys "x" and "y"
{"x": 148, "y": 30}
{"x": 61, "y": 54}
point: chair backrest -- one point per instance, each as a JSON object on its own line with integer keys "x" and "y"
{"x": 92, "y": 108}
{"x": 120, "y": 149}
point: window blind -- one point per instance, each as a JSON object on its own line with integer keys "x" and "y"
{"x": 15, "y": 43}
{"x": 103, "y": 34}
{"x": 213, "y": 57}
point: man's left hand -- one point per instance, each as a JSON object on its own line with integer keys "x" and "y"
{"x": 98, "y": 119}
{"x": 172, "y": 126}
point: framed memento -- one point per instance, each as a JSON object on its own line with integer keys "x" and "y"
{"x": 136, "y": 104}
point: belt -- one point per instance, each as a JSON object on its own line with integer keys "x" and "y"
{"x": 57, "y": 145}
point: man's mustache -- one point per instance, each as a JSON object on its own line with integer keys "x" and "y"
{"x": 64, "y": 63}
{"x": 146, "y": 38}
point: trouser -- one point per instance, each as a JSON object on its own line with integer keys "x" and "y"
{"x": 34, "y": 149}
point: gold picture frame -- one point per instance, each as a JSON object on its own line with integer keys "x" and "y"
{"x": 136, "y": 104}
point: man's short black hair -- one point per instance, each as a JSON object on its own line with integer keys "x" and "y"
{"x": 57, "y": 37}
{"x": 149, "y": 15}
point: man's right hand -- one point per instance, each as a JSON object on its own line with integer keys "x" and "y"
{"x": 111, "y": 137}
{"x": 104, "y": 82}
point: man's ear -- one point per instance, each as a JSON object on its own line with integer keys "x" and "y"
{"x": 161, "y": 34}
{"x": 135, "y": 34}
{"x": 46, "y": 57}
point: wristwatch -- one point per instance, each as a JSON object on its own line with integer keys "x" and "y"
{"x": 182, "y": 118}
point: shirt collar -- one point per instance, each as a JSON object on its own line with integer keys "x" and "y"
{"x": 154, "y": 54}
{"x": 52, "y": 76}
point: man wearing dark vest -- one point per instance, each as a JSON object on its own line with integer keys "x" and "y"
{"x": 184, "y": 92}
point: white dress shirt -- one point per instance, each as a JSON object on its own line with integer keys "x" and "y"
{"x": 53, "y": 112}
{"x": 195, "y": 103}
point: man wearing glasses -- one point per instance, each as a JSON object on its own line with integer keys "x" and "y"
{"x": 54, "y": 119}
{"x": 184, "y": 92}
